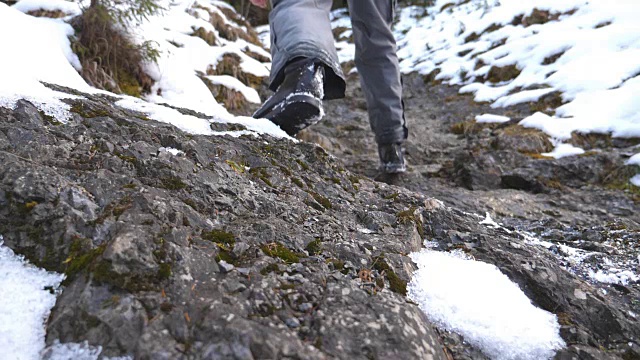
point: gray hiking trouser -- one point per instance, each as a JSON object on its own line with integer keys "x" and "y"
{"x": 301, "y": 28}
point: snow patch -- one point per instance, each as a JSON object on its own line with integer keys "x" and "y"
{"x": 491, "y": 118}
{"x": 41, "y": 52}
{"x": 479, "y": 302}
{"x": 563, "y": 150}
{"x": 28, "y": 294}
{"x": 202, "y": 126}
{"x": 67, "y": 7}
{"x": 171, "y": 150}
{"x": 183, "y": 57}
{"x": 490, "y": 222}
{"x": 634, "y": 160}
{"x": 614, "y": 276}
{"x": 77, "y": 351}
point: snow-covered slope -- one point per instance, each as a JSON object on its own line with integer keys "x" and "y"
{"x": 586, "y": 53}
{"x": 185, "y": 58}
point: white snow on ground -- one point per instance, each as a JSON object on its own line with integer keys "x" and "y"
{"x": 75, "y": 351}
{"x": 34, "y": 50}
{"x": 477, "y": 301}
{"x": 346, "y": 49}
{"x": 491, "y": 118}
{"x": 175, "y": 73}
{"x": 563, "y": 150}
{"x": 614, "y": 276}
{"x": 490, "y": 222}
{"x": 42, "y": 53}
{"x": 634, "y": 160}
{"x": 68, "y": 7}
{"x": 597, "y": 71}
{"x": 172, "y": 151}
{"x": 24, "y": 305}
{"x": 200, "y": 126}
{"x": 264, "y": 34}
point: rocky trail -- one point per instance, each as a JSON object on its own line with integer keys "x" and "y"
{"x": 255, "y": 247}
{"x": 578, "y": 205}
{"x": 184, "y": 246}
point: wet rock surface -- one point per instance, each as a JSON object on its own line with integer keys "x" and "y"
{"x": 255, "y": 247}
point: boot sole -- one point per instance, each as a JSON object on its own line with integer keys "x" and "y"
{"x": 295, "y": 113}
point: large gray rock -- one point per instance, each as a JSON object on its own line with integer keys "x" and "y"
{"x": 239, "y": 248}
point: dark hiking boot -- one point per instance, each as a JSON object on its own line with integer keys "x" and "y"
{"x": 298, "y": 101}
{"x": 392, "y": 158}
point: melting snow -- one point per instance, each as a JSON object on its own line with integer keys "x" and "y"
{"x": 477, "y": 301}
{"x": 491, "y": 118}
{"x": 614, "y": 276}
{"x": 76, "y": 351}
{"x": 25, "y": 303}
{"x": 563, "y": 150}
{"x": 489, "y": 222}
{"x": 171, "y": 150}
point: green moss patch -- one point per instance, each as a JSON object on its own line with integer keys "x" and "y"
{"x": 277, "y": 250}
{"x": 314, "y": 247}
{"x": 79, "y": 260}
{"x": 269, "y": 269}
{"x": 396, "y": 284}
{"x": 127, "y": 158}
{"x": 88, "y": 112}
{"x": 262, "y": 174}
{"x": 239, "y": 168}
{"x": 298, "y": 182}
{"x": 338, "y": 265}
{"x": 219, "y": 237}
{"x": 123, "y": 205}
{"x": 469, "y": 127}
{"x": 164, "y": 271}
{"x": 321, "y": 200}
{"x": 411, "y": 216}
{"x": 172, "y": 183}
{"x": 49, "y": 119}
{"x": 302, "y": 164}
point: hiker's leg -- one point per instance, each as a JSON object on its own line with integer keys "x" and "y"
{"x": 378, "y": 67}
{"x": 301, "y": 29}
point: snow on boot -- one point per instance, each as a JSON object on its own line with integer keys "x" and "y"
{"x": 392, "y": 158}
{"x": 297, "y": 103}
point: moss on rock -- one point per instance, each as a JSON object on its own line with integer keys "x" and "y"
{"x": 280, "y": 251}
{"x": 219, "y": 237}
{"x": 396, "y": 284}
